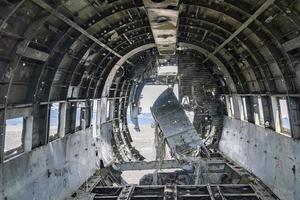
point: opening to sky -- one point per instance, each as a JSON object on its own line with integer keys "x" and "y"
{"x": 150, "y": 93}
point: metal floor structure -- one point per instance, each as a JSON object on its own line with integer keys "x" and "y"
{"x": 178, "y": 192}
{"x": 243, "y": 186}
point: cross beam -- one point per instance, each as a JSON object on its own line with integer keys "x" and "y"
{"x": 166, "y": 164}
{"x": 252, "y": 18}
{"x": 291, "y": 44}
{"x": 74, "y": 25}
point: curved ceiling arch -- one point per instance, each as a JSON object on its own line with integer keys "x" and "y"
{"x": 220, "y": 66}
{"x": 270, "y": 50}
{"x": 266, "y": 64}
{"x": 120, "y": 62}
{"x": 251, "y": 59}
{"x": 235, "y": 22}
{"x": 231, "y": 65}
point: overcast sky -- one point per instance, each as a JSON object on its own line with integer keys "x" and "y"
{"x": 150, "y": 94}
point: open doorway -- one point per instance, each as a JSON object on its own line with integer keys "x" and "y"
{"x": 144, "y": 140}
{"x": 146, "y": 121}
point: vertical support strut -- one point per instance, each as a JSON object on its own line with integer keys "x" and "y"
{"x": 2, "y": 133}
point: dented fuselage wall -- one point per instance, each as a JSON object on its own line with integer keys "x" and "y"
{"x": 50, "y": 172}
{"x": 272, "y": 157}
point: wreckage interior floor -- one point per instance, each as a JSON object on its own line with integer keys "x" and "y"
{"x": 239, "y": 184}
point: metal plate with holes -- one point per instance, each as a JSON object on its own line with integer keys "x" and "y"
{"x": 179, "y": 132}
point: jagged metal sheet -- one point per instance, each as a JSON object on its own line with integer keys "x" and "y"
{"x": 180, "y": 134}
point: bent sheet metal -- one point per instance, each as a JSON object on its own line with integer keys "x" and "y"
{"x": 180, "y": 134}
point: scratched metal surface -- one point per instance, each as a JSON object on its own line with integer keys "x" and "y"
{"x": 179, "y": 132}
{"x": 272, "y": 157}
